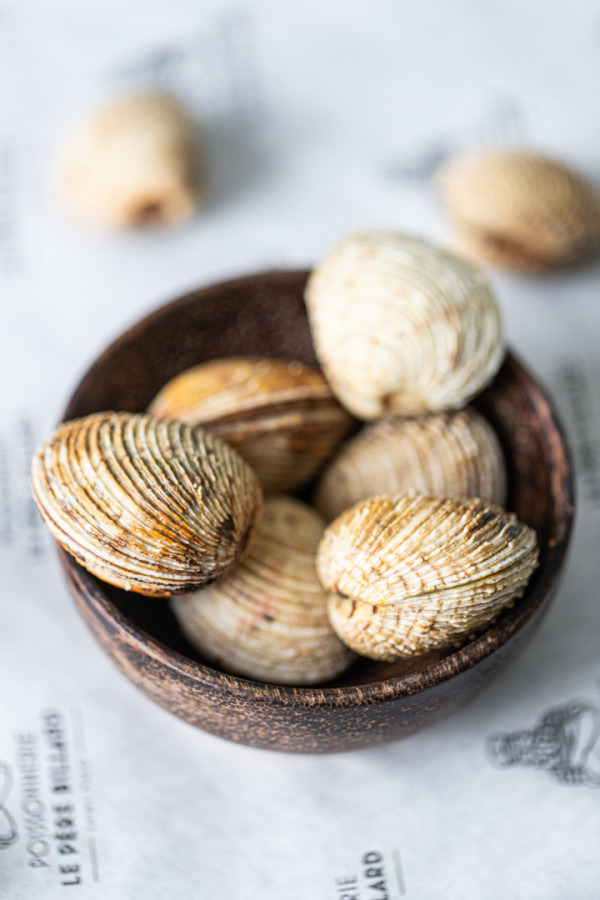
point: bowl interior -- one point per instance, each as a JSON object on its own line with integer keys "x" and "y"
{"x": 264, "y": 315}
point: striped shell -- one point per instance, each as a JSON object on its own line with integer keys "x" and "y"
{"x": 414, "y": 573}
{"x": 402, "y": 327}
{"x": 132, "y": 163}
{"x": 153, "y": 507}
{"x": 447, "y": 454}
{"x": 279, "y": 415}
{"x": 519, "y": 210}
{"x": 268, "y": 619}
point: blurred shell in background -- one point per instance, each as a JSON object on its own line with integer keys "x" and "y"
{"x": 268, "y": 619}
{"x": 410, "y": 574}
{"x": 519, "y": 210}
{"x": 401, "y": 326}
{"x": 134, "y": 162}
{"x": 448, "y": 454}
{"x": 149, "y": 506}
{"x": 280, "y": 415}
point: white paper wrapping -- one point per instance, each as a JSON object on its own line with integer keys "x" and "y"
{"x": 319, "y": 118}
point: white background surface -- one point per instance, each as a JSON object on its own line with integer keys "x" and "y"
{"x": 319, "y": 118}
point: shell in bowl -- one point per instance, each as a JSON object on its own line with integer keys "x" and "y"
{"x": 449, "y": 454}
{"x": 268, "y": 618}
{"x": 373, "y": 702}
{"x": 153, "y": 507}
{"x": 402, "y": 326}
{"x": 280, "y": 415}
{"x": 414, "y": 573}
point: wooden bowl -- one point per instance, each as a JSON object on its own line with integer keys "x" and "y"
{"x": 373, "y": 703}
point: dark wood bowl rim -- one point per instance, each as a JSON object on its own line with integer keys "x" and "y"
{"x": 312, "y": 697}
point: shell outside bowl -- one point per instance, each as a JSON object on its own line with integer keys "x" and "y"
{"x": 373, "y": 703}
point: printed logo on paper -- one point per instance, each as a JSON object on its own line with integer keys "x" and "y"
{"x": 8, "y": 826}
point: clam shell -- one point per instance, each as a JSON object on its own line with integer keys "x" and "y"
{"x": 132, "y": 163}
{"x": 268, "y": 619}
{"x": 414, "y": 573}
{"x": 153, "y": 507}
{"x": 281, "y": 416}
{"x": 520, "y": 210}
{"x": 448, "y": 454}
{"x": 402, "y": 327}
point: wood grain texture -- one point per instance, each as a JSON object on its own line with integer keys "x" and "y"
{"x": 373, "y": 703}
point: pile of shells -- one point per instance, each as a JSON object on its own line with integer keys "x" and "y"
{"x": 419, "y": 555}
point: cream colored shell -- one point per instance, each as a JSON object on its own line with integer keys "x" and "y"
{"x": 402, "y": 327}
{"x": 448, "y": 454}
{"x": 280, "y": 415}
{"x": 153, "y": 507}
{"x": 520, "y": 210}
{"x": 268, "y": 619}
{"x": 132, "y": 163}
{"x": 413, "y": 573}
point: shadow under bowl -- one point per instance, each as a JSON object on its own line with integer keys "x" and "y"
{"x": 373, "y": 703}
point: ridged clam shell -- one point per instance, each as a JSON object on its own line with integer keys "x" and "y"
{"x": 447, "y": 454}
{"x": 281, "y": 416}
{"x": 268, "y": 619}
{"x": 413, "y": 573}
{"x": 520, "y": 210}
{"x": 150, "y": 506}
{"x": 133, "y": 162}
{"x": 402, "y": 327}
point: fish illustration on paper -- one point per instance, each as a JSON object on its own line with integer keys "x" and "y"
{"x": 562, "y": 743}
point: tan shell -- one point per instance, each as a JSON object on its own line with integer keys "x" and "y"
{"x": 413, "y": 573}
{"x": 153, "y": 507}
{"x": 448, "y": 454}
{"x": 280, "y": 415}
{"x": 402, "y": 327}
{"x": 268, "y": 619}
{"x": 132, "y": 163}
{"x": 520, "y": 210}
